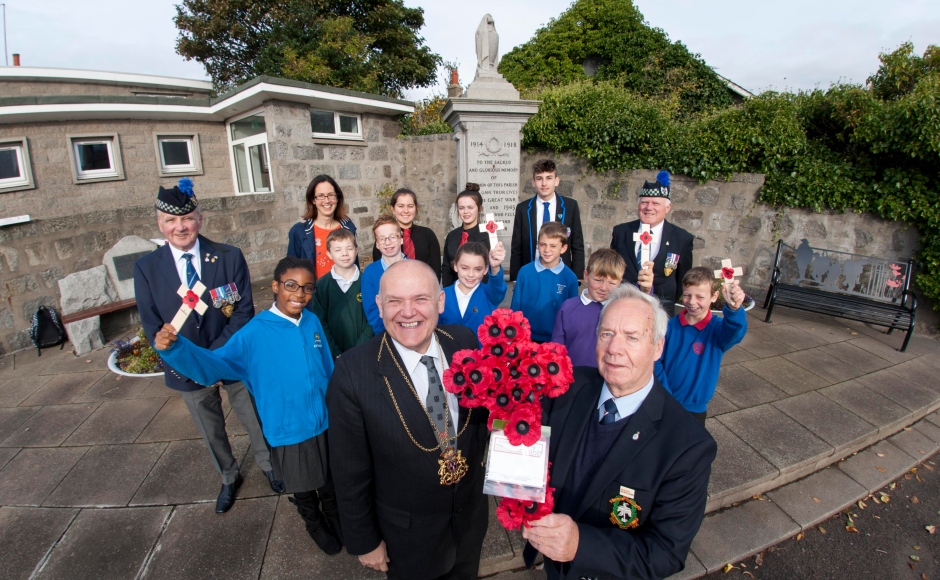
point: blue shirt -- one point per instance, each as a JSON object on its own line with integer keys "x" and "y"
{"x": 627, "y": 404}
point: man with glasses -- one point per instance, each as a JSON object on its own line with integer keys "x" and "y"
{"x": 218, "y": 275}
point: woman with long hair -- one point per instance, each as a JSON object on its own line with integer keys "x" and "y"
{"x": 469, "y": 208}
{"x": 418, "y": 242}
{"x": 326, "y": 211}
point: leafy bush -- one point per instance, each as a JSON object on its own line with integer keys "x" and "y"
{"x": 427, "y": 118}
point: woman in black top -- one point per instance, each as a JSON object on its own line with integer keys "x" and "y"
{"x": 469, "y": 208}
{"x": 418, "y": 242}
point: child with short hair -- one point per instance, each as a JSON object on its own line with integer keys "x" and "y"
{"x": 543, "y": 285}
{"x": 338, "y": 298}
{"x": 388, "y": 240}
{"x": 696, "y": 340}
{"x": 285, "y": 363}
{"x": 465, "y": 302}
{"x": 577, "y": 319}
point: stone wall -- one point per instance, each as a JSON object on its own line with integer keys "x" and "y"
{"x": 430, "y": 170}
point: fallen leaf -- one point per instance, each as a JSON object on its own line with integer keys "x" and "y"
{"x": 918, "y": 478}
{"x": 822, "y": 530}
{"x": 759, "y": 559}
{"x": 728, "y": 567}
{"x": 749, "y": 574}
{"x": 880, "y": 454}
{"x": 915, "y": 558}
{"x": 743, "y": 565}
{"x": 892, "y": 485}
{"x": 914, "y": 499}
{"x": 931, "y": 529}
{"x": 923, "y": 577}
{"x": 913, "y": 470}
{"x": 799, "y": 536}
{"x": 817, "y": 500}
{"x": 881, "y": 469}
{"x": 928, "y": 466}
{"x": 862, "y": 505}
{"x": 885, "y": 498}
{"x": 917, "y": 547}
{"x": 758, "y": 496}
{"x": 875, "y": 499}
{"x": 908, "y": 476}
{"x": 851, "y": 529}
{"x": 876, "y": 517}
{"x": 87, "y": 360}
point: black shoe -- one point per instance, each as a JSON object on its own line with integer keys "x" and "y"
{"x": 227, "y": 495}
{"x": 327, "y": 496}
{"x": 317, "y": 526}
{"x": 277, "y": 486}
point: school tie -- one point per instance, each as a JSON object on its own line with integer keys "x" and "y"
{"x": 435, "y": 401}
{"x": 463, "y": 238}
{"x": 191, "y": 276}
{"x": 546, "y": 215}
{"x": 408, "y": 246}
{"x": 610, "y": 412}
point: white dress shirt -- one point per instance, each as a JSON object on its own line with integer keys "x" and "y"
{"x": 657, "y": 233}
{"x": 180, "y": 261}
{"x": 552, "y": 204}
{"x": 277, "y": 312}
{"x": 418, "y": 373}
{"x": 463, "y": 300}
{"x": 343, "y": 283}
{"x": 627, "y": 404}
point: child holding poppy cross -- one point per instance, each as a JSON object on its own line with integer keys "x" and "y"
{"x": 470, "y": 300}
{"x": 283, "y": 358}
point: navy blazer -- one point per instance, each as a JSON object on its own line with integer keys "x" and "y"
{"x": 663, "y": 454}
{"x": 675, "y": 241}
{"x": 525, "y": 238}
{"x": 156, "y": 282}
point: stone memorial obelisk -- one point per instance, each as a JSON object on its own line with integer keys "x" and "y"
{"x": 487, "y": 124}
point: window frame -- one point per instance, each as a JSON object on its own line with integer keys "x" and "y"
{"x": 25, "y": 181}
{"x": 247, "y": 143}
{"x": 113, "y": 142}
{"x": 195, "y": 154}
{"x": 337, "y": 134}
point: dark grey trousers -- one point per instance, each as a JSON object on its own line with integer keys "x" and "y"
{"x": 205, "y": 406}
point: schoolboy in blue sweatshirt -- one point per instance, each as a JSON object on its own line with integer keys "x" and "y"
{"x": 469, "y": 301}
{"x": 283, "y": 358}
{"x": 543, "y": 285}
{"x": 696, "y": 340}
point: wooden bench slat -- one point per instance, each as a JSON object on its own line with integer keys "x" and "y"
{"x": 98, "y": 310}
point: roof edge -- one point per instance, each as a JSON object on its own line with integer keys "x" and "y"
{"x": 45, "y": 74}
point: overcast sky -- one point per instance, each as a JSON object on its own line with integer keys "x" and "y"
{"x": 799, "y": 44}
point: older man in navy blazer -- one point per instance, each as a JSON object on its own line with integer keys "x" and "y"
{"x": 629, "y": 464}
{"x": 185, "y": 259}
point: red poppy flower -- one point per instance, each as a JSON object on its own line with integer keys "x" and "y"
{"x": 524, "y": 426}
{"x": 727, "y": 273}
{"x": 509, "y": 513}
{"x": 646, "y": 238}
{"x": 504, "y": 325}
{"x": 501, "y": 400}
{"x": 455, "y": 378}
{"x": 559, "y": 372}
{"x": 515, "y": 513}
{"x": 190, "y": 299}
{"x": 497, "y": 414}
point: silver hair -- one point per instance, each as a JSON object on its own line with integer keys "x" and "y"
{"x": 629, "y": 292}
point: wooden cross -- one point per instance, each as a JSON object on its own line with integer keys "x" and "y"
{"x": 191, "y": 301}
{"x": 645, "y": 238}
{"x": 491, "y": 226}
{"x": 728, "y": 272}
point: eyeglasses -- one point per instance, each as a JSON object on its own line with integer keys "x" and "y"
{"x": 294, "y": 286}
{"x": 325, "y": 196}
{"x": 387, "y": 239}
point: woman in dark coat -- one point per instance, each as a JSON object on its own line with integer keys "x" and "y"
{"x": 469, "y": 207}
{"x": 418, "y": 242}
{"x": 326, "y": 211}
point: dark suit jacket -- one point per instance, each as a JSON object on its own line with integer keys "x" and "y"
{"x": 668, "y": 466}
{"x": 427, "y": 248}
{"x": 525, "y": 238}
{"x": 156, "y": 281}
{"x": 387, "y": 488}
{"x": 675, "y": 241}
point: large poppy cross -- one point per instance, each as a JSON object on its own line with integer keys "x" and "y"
{"x": 728, "y": 272}
{"x": 191, "y": 301}
{"x": 491, "y": 226}
{"x": 645, "y": 238}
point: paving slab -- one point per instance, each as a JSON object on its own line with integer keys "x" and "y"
{"x": 198, "y": 543}
{"x": 720, "y": 405}
{"x": 69, "y": 363}
{"x": 778, "y": 438}
{"x": 878, "y": 410}
{"x": 785, "y": 375}
{"x": 525, "y": 575}
{"x": 12, "y": 418}
{"x": 736, "y": 355}
{"x": 106, "y": 544}
{"x": 745, "y": 389}
{"x": 106, "y": 476}
{"x": 6, "y": 454}
{"x": 693, "y": 569}
{"x": 877, "y": 466}
{"x": 882, "y": 350}
{"x": 829, "y": 421}
{"x": 157, "y": 389}
{"x": 172, "y": 423}
{"x": 926, "y": 428}
{"x": 934, "y": 417}
{"x": 824, "y": 365}
{"x": 794, "y": 337}
{"x": 815, "y": 498}
{"x": 63, "y": 389}
{"x": 14, "y": 390}
{"x": 914, "y": 443}
{"x": 856, "y": 356}
{"x": 27, "y": 535}
{"x": 256, "y": 482}
{"x": 497, "y": 550}
{"x": 116, "y": 422}
{"x": 832, "y": 331}
{"x": 112, "y": 387}
{"x": 737, "y": 533}
{"x": 760, "y": 343}
{"x": 29, "y": 477}
{"x": 910, "y": 396}
{"x": 919, "y": 372}
{"x": 291, "y": 554}
{"x": 737, "y": 465}
{"x": 49, "y": 426}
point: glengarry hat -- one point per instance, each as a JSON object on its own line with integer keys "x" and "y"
{"x": 659, "y": 188}
{"x": 179, "y": 200}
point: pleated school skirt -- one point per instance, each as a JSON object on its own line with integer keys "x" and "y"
{"x": 302, "y": 466}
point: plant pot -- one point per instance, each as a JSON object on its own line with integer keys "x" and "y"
{"x": 113, "y": 367}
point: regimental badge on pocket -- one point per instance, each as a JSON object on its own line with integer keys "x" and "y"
{"x": 672, "y": 260}
{"x": 624, "y": 512}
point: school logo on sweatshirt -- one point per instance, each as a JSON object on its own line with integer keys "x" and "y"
{"x": 317, "y": 343}
{"x": 561, "y": 288}
{"x": 698, "y": 347}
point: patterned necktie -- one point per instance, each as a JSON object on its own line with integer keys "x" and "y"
{"x": 408, "y": 246}
{"x": 546, "y": 215}
{"x": 610, "y": 412}
{"x": 435, "y": 401}
{"x": 191, "y": 276}
{"x": 463, "y": 238}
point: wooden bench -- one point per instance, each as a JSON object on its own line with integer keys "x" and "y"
{"x": 844, "y": 285}
{"x": 98, "y": 310}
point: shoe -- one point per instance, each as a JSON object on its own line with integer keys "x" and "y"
{"x": 277, "y": 486}
{"x": 317, "y": 526}
{"x": 328, "y": 504}
{"x": 227, "y": 495}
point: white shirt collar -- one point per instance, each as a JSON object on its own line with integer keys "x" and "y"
{"x": 412, "y": 358}
{"x": 627, "y": 404}
{"x": 343, "y": 283}
{"x": 277, "y": 312}
{"x": 585, "y": 299}
{"x": 178, "y": 254}
{"x": 556, "y": 270}
{"x": 463, "y": 300}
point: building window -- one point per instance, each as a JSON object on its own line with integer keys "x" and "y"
{"x": 95, "y": 158}
{"x": 178, "y": 154}
{"x": 335, "y": 125}
{"x": 15, "y": 170}
{"x": 249, "y": 140}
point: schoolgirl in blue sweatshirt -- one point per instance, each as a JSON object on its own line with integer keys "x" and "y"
{"x": 469, "y": 300}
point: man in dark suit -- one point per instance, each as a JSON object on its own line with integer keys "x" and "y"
{"x": 629, "y": 464}
{"x": 546, "y": 206}
{"x": 188, "y": 258}
{"x": 670, "y": 248}
{"x": 406, "y": 504}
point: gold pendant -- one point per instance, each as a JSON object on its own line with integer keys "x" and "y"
{"x": 228, "y": 309}
{"x": 453, "y": 466}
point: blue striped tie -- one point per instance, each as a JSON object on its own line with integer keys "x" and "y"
{"x": 191, "y": 276}
{"x": 546, "y": 215}
{"x": 611, "y": 413}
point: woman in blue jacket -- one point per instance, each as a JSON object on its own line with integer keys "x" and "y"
{"x": 326, "y": 211}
